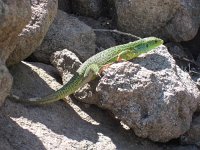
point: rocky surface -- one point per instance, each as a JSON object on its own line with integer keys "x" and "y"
{"x": 43, "y": 13}
{"x": 67, "y": 32}
{"x": 175, "y": 20}
{"x": 153, "y": 96}
{"x": 61, "y": 125}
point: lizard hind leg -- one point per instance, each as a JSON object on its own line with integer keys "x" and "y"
{"x": 94, "y": 68}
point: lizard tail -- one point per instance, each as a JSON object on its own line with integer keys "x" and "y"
{"x": 69, "y": 88}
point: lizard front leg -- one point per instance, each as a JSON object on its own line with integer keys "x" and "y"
{"x": 123, "y": 56}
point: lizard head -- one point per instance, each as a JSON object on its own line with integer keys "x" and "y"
{"x": 146, "y": 44}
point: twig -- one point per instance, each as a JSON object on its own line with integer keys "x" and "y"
{"x": 118, "y": 32}
{"x": 186, "y": 59}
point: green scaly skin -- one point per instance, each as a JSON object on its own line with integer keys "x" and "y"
{"x": 91, "y": 67}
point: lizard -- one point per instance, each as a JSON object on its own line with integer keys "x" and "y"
{"x": 92, "y": 67}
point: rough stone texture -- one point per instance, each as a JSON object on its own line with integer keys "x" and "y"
{"x": 59, "y": 125}
{"x": 67, "y": 32}
{"x": 90, "y": 8}
{"x": 14, "y": 15}
{"x": 30, "y": 38}
{"x": 153, "y": 96}
{"x": 87, "y": 93}
{"x": 176, "y": 20}
{"x": 193, "y": 135}
{"x": 5, "y": 82}
{"x": 66, "y": 70}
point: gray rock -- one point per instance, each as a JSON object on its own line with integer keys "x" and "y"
{"x": 67, "y": 32}
{"x": 90, "y": 8}
{"x": 30, "y": 38}
{"x": 153, "y": 96}
{"x": 5, "y": 82}
{"x": 14, "y": 15}
{"x": 66, "y": 63}
{"x": 175, "y": 20}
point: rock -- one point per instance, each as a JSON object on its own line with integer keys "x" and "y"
{"x": 66, "y": 70}
{"x": 67, "y": 32}
{"x": 173, "y": 20}
{"x": 192, "y": 136}
{"x": 87, "y": 93}
{"x": 153, "y": 96}
{"x": 5, "y": 82}
{"x": 30, "y": 38}
{"x": 89, "y": 8}
{"x": 14, "y": 15}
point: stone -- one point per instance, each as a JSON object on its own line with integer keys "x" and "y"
{"x": 70, "y": 33}
{"x": 152, "y": 96}
{"x": 66, "y": 70}
{"x": 14, "y": 15}
{"x": 30, "y": 38}
{"x": 89, "y": 8}
{"x": 173, "y": 20}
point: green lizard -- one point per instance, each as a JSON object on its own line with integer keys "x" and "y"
{"x": 92, "y": 67}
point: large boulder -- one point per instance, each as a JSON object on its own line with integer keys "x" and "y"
{"x": 175, "y": 20}
{"x": 14, "y": 15}
{"x": 43, "y": 13}
{"x": 153, "y": 96}
{"x": 67, "y": 32}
